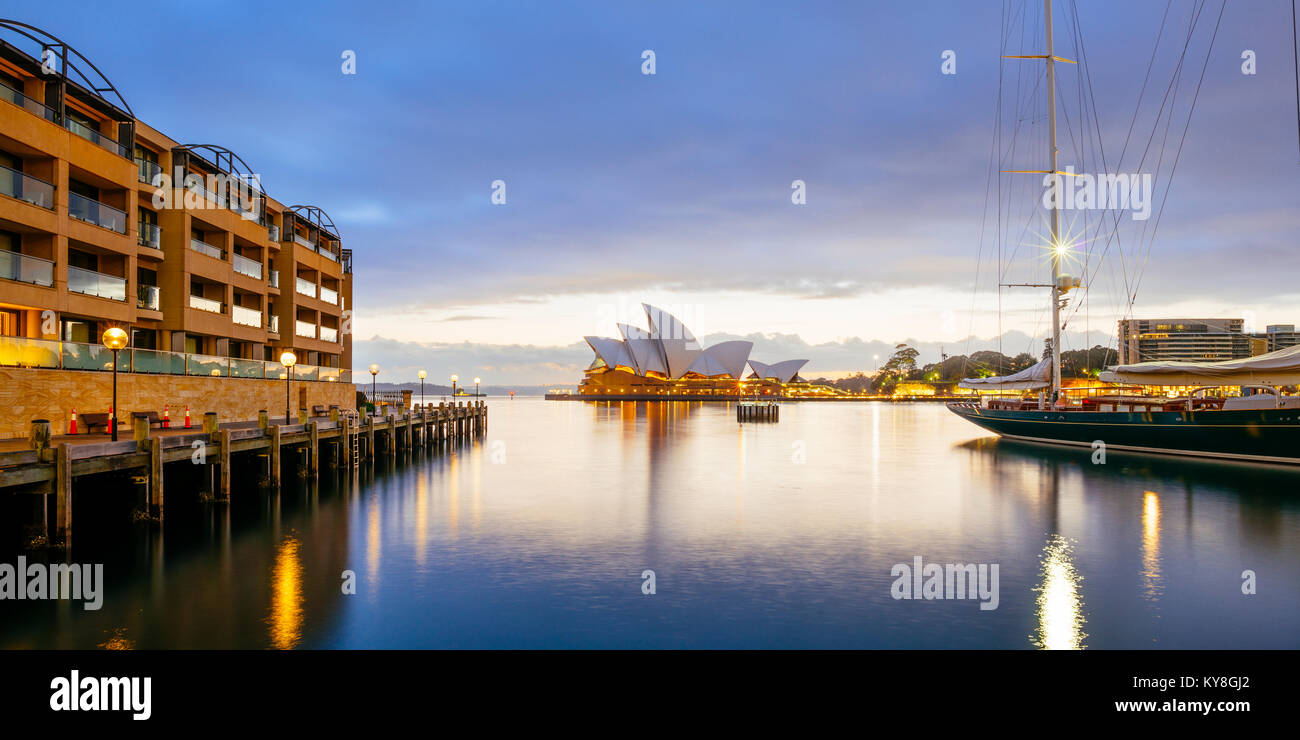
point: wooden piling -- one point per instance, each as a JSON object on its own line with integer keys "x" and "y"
{"x": 313, "y": 449}
{"x": 63, "y": 493}
{"x": 275, "y": 455}
{"x": 140, "y": 430}
{"x": 40, "y": 438}
{"x": 225, "y": 464}
{"x": 263, "y": 420}
{"x": 156, "y": 481}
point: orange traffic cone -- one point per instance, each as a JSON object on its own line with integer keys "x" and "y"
{"x": 187, "y": 416}
{"x": 167, "y": 417}
{"x": 72, "y": 425}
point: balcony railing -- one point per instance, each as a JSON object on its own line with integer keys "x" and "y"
{"x": 328, "y": 254}
{"x": 273, "y": 233}
{"x": 273, "y": 324}
{"x": 328, "y": 334}
{"x": 245, "y": 266}
{"x": 305, "y": 329}
{"x": 92, "y": 211}
{"x": 150, "y": 235}
{"x": 26, "y": 269}
{"x": 329, "y": 296}
{"x": 147, "y": 296}
{"x": 206, "y": 304}
{"x": 213, "y": 198}
{"x": 246, "y": 316}
{"x": 300, "y": 239}
{"x": 201, "y": 246}
{"x": 56, "y": 355}
{"x": 274, "y": 279}
{"x": 147, "y": 170}
{"x": 306, "y": 287}
{"x": 96, "y": 137}
{"x": 15, "y": 184}
{"x": 31, "y": 104}
{"x": 97, "y": 284}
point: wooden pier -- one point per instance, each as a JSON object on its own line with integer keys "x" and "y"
{"x": 46, "y": 465}
{"x": 757, "y": 411}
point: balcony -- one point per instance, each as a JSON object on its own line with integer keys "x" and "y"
{"x": 328, "y": 254}
{"x": 246, "y": 316}
{"x": 97, "y": 284}
{"x": 305, "y": 329}
{"x": 150, "y": 235}
{"x": 274, "y": 279}
{"x": 205, "y": 248}
{"x": 329, "y": 296}
{"x": 26, "y": 269}
{"x": 306, "y": 287}
{"x": 95, "y": 137}
{"x": 31, "y": 104}
{"x": 273, "y": 324}
{"x": 25, "y": 187}
{"x": 206, "y": 304}
{"x": 308, "y": 243}
{"x": 148, "y": 170}
{"x": 245, "y": 266}
{"x": 92, "y": 211}
{"x": 217, "y": 200}
{"x": 56, "y": 355}
{"x": 328, "y": 334}
{"x": 273, "y": 233}
{"x": 148, "y": 297}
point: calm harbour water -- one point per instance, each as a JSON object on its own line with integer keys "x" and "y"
{"x": 759, "y": 535}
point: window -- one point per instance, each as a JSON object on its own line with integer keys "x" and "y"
{"x": 144, "y": 339}
{"x": 78, "y": 331}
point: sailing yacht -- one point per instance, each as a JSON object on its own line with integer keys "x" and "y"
{"x": 1261, "y": 427}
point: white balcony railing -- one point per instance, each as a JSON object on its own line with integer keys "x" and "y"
{"x": 205, "y": 304}
{"x": 305, "y": 329}
{"x": 306, "y": 287}
{"x": 329, "y": 296}
{"x": 202, "y": 246}
{"x": 245, "y": 266}
{"x": 246, "y": 316}
{"x": 329, "y": 334}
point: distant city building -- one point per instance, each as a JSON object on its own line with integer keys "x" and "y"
{"x": 1147, "y": 340}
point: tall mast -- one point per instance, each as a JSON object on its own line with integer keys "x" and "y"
{"x": 1055, "y": 234}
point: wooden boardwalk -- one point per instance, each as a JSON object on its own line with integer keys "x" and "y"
{"x": 48, "y": 465}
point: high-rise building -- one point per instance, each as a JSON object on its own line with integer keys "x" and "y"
{"x": 1193, "y": 340}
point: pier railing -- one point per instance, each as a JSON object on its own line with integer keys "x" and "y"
{"x": 59, "y": 355}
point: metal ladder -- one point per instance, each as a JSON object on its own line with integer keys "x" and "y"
{"x": 356, "y": 450}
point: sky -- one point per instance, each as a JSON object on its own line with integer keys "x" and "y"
{"x": 675, "y": 188}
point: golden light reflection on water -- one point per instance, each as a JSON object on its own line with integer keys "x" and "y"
{"x": 118, "y": 641}
{"x": 1060, "y": 605}
{"x": 286, "y": 596}
{"x": 1151, "y": 545}
{"x": 421, "y": 518}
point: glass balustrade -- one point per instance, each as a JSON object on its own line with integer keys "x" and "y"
{"x": 205, "y": 304}
{"x": 155, "y": 362}
{"x": 18, "y": 185}
{"x": 305, "y": 372}
{"x": 300, "y": 239}
{"x": 31, "y": 104}
{"x": 207, "y": 365}
{"x": 273, "y": 233}
{"x": 147, "y": 170}
{"x": 329, "y": 296}
{"x": 246, "y": 316}
{"x": 329, "y": 335}
{"x": 245, "y": 266}
{"x": 150, "y": 235}
{"x": 274, "y": 280}
{"x": 24, "y": 352}
{"x": 306, "y": 287}
{"x": 247, "y": 368}
{"x": 26, "y": 269}
{"x": 305, "y": 329}
{"x": 273, "y": 324}
{"x": 201, "y": 246}
{"x": 97, "y": 284}
{"x": 92, "y": 211}
{"x": 96, "y": 137}
{"x": 148, "y": 296}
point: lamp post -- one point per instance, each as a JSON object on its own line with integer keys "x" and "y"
{"x": 115, "y": 339}
{"x": 476, "y": 380}
{"x": 287, "y": 359}
{"x": 374, "y": 373}
{"x": 454, "y": 378}
{"x": 422, "y": 375}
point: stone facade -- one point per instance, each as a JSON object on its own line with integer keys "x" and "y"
{"x": 27, "y": 394}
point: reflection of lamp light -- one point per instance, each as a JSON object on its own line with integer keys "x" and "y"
{"x": 422, "y": 375}
{"x": 287, "y": 359}
{"x": 115, "y": 339}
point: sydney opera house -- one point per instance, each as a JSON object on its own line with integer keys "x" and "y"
{"x": 667, "y": 361}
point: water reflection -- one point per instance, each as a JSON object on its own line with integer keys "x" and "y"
{"x": 1060, "y": 605}
{"x": 1151, "y": 545}
{"x": 286, "y": 596}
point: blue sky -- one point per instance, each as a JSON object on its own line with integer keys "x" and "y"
{"x": 675, "y": 188}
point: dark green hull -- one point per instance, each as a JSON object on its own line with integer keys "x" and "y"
{"x": 1263, "y": 435}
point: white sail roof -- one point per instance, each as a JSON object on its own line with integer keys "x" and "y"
{"x": 1274, "y": 368}
{"x": 612, "y": 351}
{"x": 630, "y": 332}
{"x": 664, "y": 325}
{"x": 730, "y": 356}
{"x": 648, "y": 356}
{"x": 679, "y": 356}
{"x": 783, "y": 372}
{"x": 1038, "y": 376}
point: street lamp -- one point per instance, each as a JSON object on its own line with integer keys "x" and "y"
{"x": 115, "y": 339}
{"x": 422, "y": 375}
{"x": 287, "y": 359}
{"x": 374, "y": 372}
{"x": 454, "y": 378}
{"x": 476, "y": 387}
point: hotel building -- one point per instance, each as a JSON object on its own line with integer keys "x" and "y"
{"x": 1191, "y": 340}
{"x": 208, "y": 284}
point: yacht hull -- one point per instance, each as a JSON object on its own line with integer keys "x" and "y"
{"x": 1258, "y": 435}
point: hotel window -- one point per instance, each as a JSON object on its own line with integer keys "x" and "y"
{"x": 78, "y": 331}
{"x": 145, "y": 154}
{"x": 11, "y": 323}
{"x": 84, "y": 260}
{"x": 144, "y": 338}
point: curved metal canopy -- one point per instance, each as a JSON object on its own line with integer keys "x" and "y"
{"x": 87, "y": 75}
{"x": 317, "y": 217}
{"x": 225, "y": 160}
